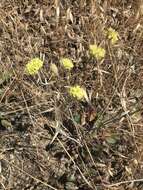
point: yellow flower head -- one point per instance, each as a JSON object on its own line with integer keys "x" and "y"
{"x": 33, "y": 66}
{"x": 67, "y": 63}
{"x": 112, "y": 35}
{"x": 78, "y": 92}
{"x": 54, "y": 69}
{"x": 97, "y": 52}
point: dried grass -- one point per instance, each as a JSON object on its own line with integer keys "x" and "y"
{"x": 96, "y": 146}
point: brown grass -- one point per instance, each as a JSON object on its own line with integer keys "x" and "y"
{"x": 49, "y": 140}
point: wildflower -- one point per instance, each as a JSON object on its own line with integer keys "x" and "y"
{"x": 67, "y": 63}
{"x": 112, "y": 35}
{"x": 54, "y": 69}
{"x": 78, "y": 92}
{"x": 33, "y": 66}
{"x": 97, "y": 51}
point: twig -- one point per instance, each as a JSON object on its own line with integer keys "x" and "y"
{"x": 124, "y": 182}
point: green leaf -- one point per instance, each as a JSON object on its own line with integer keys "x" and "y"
{"x": 5, "y": 76}
{"x": 77, "y": 118}
{"x": 112, "y": 139}
{"x": 6, "y": 124}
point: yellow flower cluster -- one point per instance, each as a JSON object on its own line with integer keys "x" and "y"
{"x": 66, "y": 63}
{"x": 112, "y": 35}
{"x": 78, "y": 92}
{"x": 54, "y": 69}
{"x": 33, "y": 66}
{"x": 97, "y": 52}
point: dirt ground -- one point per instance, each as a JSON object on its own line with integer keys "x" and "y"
{"x": 99, "y": 145}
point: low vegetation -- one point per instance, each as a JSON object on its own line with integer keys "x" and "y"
{"x": 71, "y": 95}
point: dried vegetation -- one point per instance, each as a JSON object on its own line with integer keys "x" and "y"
{"x": 48, "y": 139}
